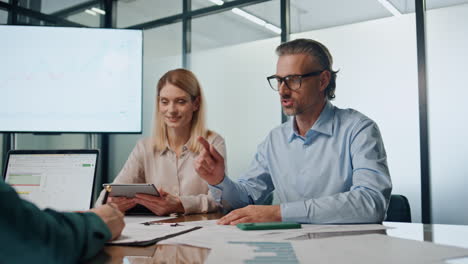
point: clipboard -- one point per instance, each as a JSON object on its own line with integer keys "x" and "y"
{"x": 152, "y": 241}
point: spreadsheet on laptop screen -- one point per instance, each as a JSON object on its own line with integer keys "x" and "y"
{"x": 57, "y": 181}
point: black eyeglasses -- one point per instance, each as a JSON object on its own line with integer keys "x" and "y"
{"x": 293, "y": 82}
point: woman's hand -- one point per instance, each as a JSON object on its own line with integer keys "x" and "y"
{"x": 163, "y": 205}
{"x": 123, "y": 203}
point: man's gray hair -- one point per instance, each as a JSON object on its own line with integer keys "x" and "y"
{"x": 318, "y": 51}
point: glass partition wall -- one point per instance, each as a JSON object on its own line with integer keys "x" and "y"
{"x": 447, "y": 39}
{"x": 375, "y": 53}
{"x": 232, "y": 56}
{"x": 3, "y": 17}
{"x": 162, "y": 49}
{"x": 230, "y": 46}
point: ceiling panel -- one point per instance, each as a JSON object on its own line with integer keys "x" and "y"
{"x": 132, "y": 12}
{"x": 228, "y": 28}
{"x": 309, "y": 15}
{"x": 408, "y": 6}
{"x": 51, "y": 6}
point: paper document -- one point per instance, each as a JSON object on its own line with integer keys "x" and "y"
{"x": 204, "y": 223}
{"x": 213, "y": 234}
{"x": 363, "y": 249}
{"x": 373, "y": 249}
{"x": 311, "y": 231}
{"x": 136, "y": 233}
{"x": 210, "y": 236}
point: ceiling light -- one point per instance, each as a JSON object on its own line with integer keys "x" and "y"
{"x": 98, "y": 10}
{"x": 273, "y": 28}
{"x": 248, "y": 16}
{"x": 390, "y": 7}
{"x": 91, "y": 12}
{"x": 256, "y": 20}
{"x": 218, "y": 2}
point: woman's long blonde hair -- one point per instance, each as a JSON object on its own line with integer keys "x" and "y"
{"x": 185, "y": 80}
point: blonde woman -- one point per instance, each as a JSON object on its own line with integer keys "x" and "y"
{"x": 167, "y": 158}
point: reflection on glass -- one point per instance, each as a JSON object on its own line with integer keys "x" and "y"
{"x": 157, "y": 254}
{"x": 241, "y": 105}
{"x": 197, "y": 4}
{"x": 310, "y": 15}
{"x": 56, "y": 7}
{"x": 179, "y": 254}
{"x": 409, "y": 6}
{"x": 135, "y": 12}
{"x": 3, "y": 17}
{"x": 235, "y": 26}
{"x": 453, "y": 235}
{"x": 447, "y": 39}
{"x": 406, "y": 230}
{"x": 384, "y": 45}
{"x": 90, "y": 17}
{"x": 336, "y": 234}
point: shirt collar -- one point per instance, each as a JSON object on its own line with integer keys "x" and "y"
{"x": 167, "y": 148}
{"x": 323, "y": 125}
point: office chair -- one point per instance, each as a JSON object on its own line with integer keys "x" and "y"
{"x": 398, "y": 209}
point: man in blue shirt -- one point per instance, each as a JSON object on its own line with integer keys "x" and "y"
{"x": 326, "y": 165}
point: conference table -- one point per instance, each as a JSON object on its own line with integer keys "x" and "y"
{"x": 452, "y": 235}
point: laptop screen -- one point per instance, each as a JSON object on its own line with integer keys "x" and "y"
{"x": 60, "y": 180}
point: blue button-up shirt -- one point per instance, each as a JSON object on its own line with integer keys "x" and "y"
{"x": 336, "y": 173}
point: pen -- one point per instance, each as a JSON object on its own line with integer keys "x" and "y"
{"x": 108, "y": 189}
{"x": 157, "y": 223}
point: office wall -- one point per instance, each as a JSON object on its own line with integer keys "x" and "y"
{"x": 162, "y": 49}
{"x": 241, "y": 105}
{"x": 447, "y": 55}
{"x": 378, "y": 76}
{"x": 63, "y": 141}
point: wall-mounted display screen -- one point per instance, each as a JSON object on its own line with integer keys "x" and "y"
{"x": 56, "y": 79}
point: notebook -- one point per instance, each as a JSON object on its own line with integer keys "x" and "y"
{"x": 57, "y": 179}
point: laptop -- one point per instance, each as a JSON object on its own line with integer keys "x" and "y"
{"x": 58, "y": 179}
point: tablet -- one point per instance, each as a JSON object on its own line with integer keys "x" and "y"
{"x": 129, "y": 190}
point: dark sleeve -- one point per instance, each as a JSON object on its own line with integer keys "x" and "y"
{"x": 28, "y": 234}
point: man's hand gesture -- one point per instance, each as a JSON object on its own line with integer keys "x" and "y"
{"x": 209, "y": 164}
